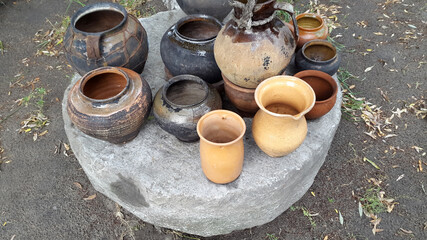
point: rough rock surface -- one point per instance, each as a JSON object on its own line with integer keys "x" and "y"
{"x": 159, "y": 179}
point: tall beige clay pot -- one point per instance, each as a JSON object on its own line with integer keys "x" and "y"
{"x": 221, "y": 145}
{"x": 279, "y": 127}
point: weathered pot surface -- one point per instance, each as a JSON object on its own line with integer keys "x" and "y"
{"x": 110, "y": 103}
{"x": 242, "y": 98}
{"x": 318, "y": 55}
{"x": 325, "y": 88}
{"x": 279, "y": 127}
{"x": 251, "y": 49}
{"x": 218, "y": 9}
{"x": 181, "y": 102}
{"x": 187, "y": 48}
{"x": 104, "y": 34}
{"x": 221, "y": 145}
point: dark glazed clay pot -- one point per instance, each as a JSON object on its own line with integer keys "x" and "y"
{"x": 325, "y": 88}
{"x": 187, "y": 48}
{"x": 318, "y": 55}
{"x": 218, "y": 9}
{"x": 181, "y": 102}
{"x": 110, "y": 103}
{"x": 104, "y": 34}
{"x": 242, "y": 98}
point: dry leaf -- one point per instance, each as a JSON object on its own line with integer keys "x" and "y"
{"x": 91, "y": 197}
{"x": 78, "y": 185}
{"x": 405, "y": 231}
{"x": 400, "y": 177}
{"x": 379, "y": 33}
{"x": 369, "y": 69}
{"x": 67, "y": 147}
{"x": 420, "y": 166}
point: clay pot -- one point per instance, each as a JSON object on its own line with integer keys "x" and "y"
{"x": 242, "y": 98}
{"x": 181, "y": 102}
{"x": 187, "y": 48}
{"x": 325, "y": 88}
{"x": 110, "y": 103}
{"x": 218, "y": 9}
{"x": 221, "y": 145}
{"x": 104, "y": 34}
{"x": 311, "y": 26}
{"x": 250, "y": 50}
{"x": 279, "y": 127}
{"x": 318, "y": 55}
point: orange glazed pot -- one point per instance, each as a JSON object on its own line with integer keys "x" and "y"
{"x": 311, "y": 26}
{"x": 279, "y": 127}
{"x": 221, "y": 145}
{"x": 325, "y": 88}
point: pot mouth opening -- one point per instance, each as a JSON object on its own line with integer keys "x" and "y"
{"x": 309, "y": 22}
{"x": 258, "y": 1}
{"x": 104, "y": 85}
{"x": 199, "y": 28}
{"x": 185, "y": 91}
{"x": 319, "y": 51}
{"x": 221, "y": 127}
{"x": 99, "y": 18}
{"x": 323, "y": 84}
{"x": 286, "y": 96}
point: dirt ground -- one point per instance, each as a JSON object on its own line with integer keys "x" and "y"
{"x": 44, "y": 194}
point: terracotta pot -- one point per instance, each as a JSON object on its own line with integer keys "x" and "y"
{"x": 221, "y": 145}
{"x": 110, "y": 104}
{"x": 218, "y": 9}
{"x": 318, "y": 55}
{"x": 279, "y": 127}
{"x": 242, "y": 98}
{"x": 249, "y": 50}
{"x": 311, "y": 26}
{"x": 181, "y": 102}
{"x": 104, "y": 34}
{"x": 325, "y": 88}
{"x": 187, "y": 48}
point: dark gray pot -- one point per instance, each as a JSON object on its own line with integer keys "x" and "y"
{"x": 215, "y": 8}
{"x": 318, "y": 55}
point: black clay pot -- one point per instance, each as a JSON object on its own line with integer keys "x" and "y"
{"x": 104, "y": 34}
{"x": 318, "y": 55}
{"x": 187, "y": 48}
{"x": 218, "y": 8}
{"x": 181, "y": 102}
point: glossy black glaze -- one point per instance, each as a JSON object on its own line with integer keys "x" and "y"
{"x": 178, "y": 115}
{"x": 86, "y": 45}
{"x": 318, "y": 55}
{"x": 191, "y": 55}
{"x": 218, "y": 9}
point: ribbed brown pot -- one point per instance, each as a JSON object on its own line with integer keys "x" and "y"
{"x": 110, "y": 103}
{"x": 104, "y": 34}
{"x": 325, "y": 88}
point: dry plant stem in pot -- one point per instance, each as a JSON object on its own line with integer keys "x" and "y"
{"x": 279, "y": 127}
{"x": 254, "y": 44}
{"x": 104, "y": 34}
{"x": 110, "y": 104}
{"x": 187, "y": 48}
{"x": 181, "y": 102}
{"x": 325, "y": 88}
{"x": 318, "y": 55}
{"x": 242, "y": 98}
{"x": 311, "y": 26}
{"x": 221, "y": 145}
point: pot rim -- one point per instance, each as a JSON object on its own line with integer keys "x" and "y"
{"x": 319, "y": 42}
{"x": 328, "y": 78}
{"x": 91, "y": 8}
{"x": 223, "y": 111}
{"x": 185, "y": 77}
{"x": 310, "y": 15}
{"x": 285, "y": 78}
{"x": 193, "y": 18}
{"x": 99, "y": 71}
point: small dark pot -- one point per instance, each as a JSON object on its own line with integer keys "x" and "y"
{"x": 242, "y": 98}
{"x": 318, "y": 55}
{"x": 104, "y": 34}
{"x": 325, "y": 88}
{"x": 181, "y": 102}
{"x": 110, "y": 103}
{"x": 218, "y": 9}
{"x": 187, "y": 48}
